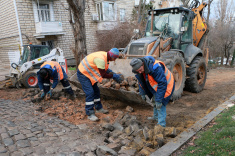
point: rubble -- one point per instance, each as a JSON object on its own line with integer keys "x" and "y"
{"x": 181, "y": 114}
{"x": 123, "y": 133}
{"x": 129, "y": 84}
{"x": 129, "y": 109}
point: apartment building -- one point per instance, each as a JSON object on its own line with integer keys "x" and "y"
{"x": 46, "y": 22}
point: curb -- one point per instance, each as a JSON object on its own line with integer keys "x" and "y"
{"x": 181, "y": 139}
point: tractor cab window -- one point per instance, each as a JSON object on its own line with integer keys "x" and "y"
{"x": 39, "y": 51}
{"x": 186, "y": 30}
{"x": 25, "y": 56}
{"x": 166, "y": 25}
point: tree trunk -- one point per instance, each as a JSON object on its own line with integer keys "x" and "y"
{"x": 142, "y": 15}
{"x": 222, "y": 60}
{"x": 139, "y": 11}
{"x": 77, "y": 10}
{"x": 227, "y": 58}
{"x": 207, "y": 22}
{"x": 233, "y": 58}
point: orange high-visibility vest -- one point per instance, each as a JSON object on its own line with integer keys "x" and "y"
{"x": 169, "y": 78}
{"x": 57, "y": 66}
{"x": 88, "y": 68}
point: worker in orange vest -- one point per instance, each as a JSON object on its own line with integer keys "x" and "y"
{"x": 155, "y": 81}
{"x": 53, "y": 70}
{"x": 92, "y": 69}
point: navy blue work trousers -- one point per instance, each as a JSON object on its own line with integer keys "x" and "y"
{"x": 65, "y": 83}
{"x": 92, "y": 94}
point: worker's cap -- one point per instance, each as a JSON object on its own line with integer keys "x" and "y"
{"x": 114, "y": 53}
{"x": 136, "y": 64}
{"x": 43, "y": 72}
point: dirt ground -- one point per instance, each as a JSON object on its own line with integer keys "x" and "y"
{"x": 183, "y": 113}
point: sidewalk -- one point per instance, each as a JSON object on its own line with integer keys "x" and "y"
{"x": 24, "y": 131}
{"x": 181, "y": 139}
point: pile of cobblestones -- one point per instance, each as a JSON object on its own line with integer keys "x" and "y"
{"x": 25, "y": 131}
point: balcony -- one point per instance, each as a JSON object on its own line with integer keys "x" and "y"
{"x": 48, "y": 28}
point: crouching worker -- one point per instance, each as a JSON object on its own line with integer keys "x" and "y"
{"x": 92, "y": 69}
{"x": 52, "y": 70}
{"x": 155, "y": 81}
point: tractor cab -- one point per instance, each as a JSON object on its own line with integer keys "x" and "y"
{"x": 174, "y": 23}
{"x": 32, "y": 52}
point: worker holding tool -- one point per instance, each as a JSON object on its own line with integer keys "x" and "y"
{"x": 52, "y": 70}
{"x": 155, "y": 81}
{"x": 92, "y": 69}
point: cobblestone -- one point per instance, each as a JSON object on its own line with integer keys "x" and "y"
{"x": 24, "y": 131}
{"x": 4, "y": 135}
{"x": 13, "y": 132}
{"x": 19, "y": 137}
{"x": 3, "y": 149}
{"x": 8, "y": 141}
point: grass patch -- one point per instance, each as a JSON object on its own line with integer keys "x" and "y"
{"x": 71, "y": 68}
{"x": 217, "y": 140}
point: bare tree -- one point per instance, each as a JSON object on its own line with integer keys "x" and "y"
{"x": 233, "y": 58}
{"x": 223, "y": 30}
{"x": 77, "y": 21}
{"x": 185, "y": 3}
{"x": 205, "y": 44}
{"x": 140, "y": 13}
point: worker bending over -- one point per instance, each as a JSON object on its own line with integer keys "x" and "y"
{"x": 155, "y": 81}
{"x": 53, "y": 70}
{"x": 92, "y": 69}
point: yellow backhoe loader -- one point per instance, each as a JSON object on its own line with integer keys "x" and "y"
{"x": 174, "y": 36}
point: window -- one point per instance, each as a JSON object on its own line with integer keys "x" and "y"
{"x": 106, "y": 11}
{"x": 122, "y": 15}
{"x": 49, "y": 43}
{"x": 39, "y": 52}
{"x": 43, "y": 12}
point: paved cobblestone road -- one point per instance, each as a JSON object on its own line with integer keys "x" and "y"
{"x": 24, "y": 131}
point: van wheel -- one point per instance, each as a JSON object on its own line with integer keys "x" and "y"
{"x": 174, "y": 61}
{"x": 197, "y": 74}
{"x": 30, "y": 79}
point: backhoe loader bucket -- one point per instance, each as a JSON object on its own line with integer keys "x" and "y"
{"x": 122, "y": 66}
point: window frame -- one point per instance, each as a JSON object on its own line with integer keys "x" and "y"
{"x": 122, "y": 12}
{"x": 35, "y": 10}
{"x": 102, "y": 13}
{"x": 43, "y": 13}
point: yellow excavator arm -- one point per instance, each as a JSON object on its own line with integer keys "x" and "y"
{"x": 199, "y": 24}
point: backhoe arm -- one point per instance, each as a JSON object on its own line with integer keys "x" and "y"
{"x": 199, "y": 24}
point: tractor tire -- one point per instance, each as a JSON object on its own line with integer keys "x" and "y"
{"x": 30, "y": 80}
{"x": 196, "y": 74}
{"x": 174, "y": 61}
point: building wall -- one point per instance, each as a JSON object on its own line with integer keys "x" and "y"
{"x": 26, "y": 19}
{"x": 10, "y": 34}
{"x": 8, "y": 30}
{"x": 93, "y": 26}
{"x": 66, "y": 41}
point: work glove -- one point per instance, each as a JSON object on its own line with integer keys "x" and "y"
{"x": 109, "y": 71}
{"x": 118, "y": 78}
{"x": 49, "y": 93}
{"x": 42, "y": 94}
{"x": 158, "y": 105}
